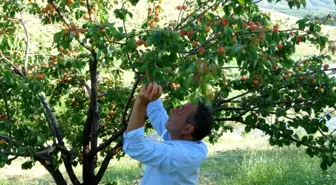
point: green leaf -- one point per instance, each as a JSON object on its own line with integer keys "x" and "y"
{"x": 40, "y": 140}
{"x": 120, "y": 13}
{"x": 302, "y": 23}
{"x": 57, "y": 37}
{"x": 310, "y": 152}
{"x": 254, "y": 56}
{"x": 323, "y": 164}
{"x": 247, "y": 129}
{"x": 242, "y": 2}
{"x": 134, "y": 2}
{"x": 304, "y": 3}
{"x": 236, "y": 48}
{"x": 27, "y": 165}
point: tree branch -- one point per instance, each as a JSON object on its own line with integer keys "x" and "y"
{"x": 256, "y": 2}
{"x": 88, "y": 9}
{"x": 27, "y": 46}
{"x": 126, "y": 34}
{"x": 53, "y": 132}
{"x": 106, "y": 161}
{"x": 252, "y": 32}
{"x": 124, "y": 121}
{"x": 91, "y": 124}
{"x": 41, "y": 153}
{"x": 231, "y": 67}
{"x": 110, "y": 140}
{"x": 88, "y": 90}
{"x": 65, "y": 22}
{"x": 179, "y": 16}
{"x": 201, "y": 14}
{"x": 15, "y": 69}
{"x": 224, "y": 119}
{"x": 235, "y": 97}
{"x": 54, "y": 172}
{"x": 229, "y": 109}
{"x": 237, "y": 119}
{"x": 53, "y": 121}
{"x": 12, "y": 159}
{"x": 66, "y": 156}
{"x": 324, "y": 135}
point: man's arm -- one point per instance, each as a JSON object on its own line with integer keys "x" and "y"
{"x": 134, "y": 143}
{"x": 137, "y": 118}
{"x": 158, "y": 117}
{"x": 148, "y": 93}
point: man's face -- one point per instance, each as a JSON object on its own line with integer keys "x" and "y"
{"x": 177, "y": 120}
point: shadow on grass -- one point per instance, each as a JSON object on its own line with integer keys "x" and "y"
{"x": 277, "y": 166}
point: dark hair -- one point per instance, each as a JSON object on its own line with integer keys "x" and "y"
{"x": 202, "y": 120}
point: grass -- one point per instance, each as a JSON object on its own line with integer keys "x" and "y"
{"x": 236, "y": 160}
{"x": 264, "y": 167}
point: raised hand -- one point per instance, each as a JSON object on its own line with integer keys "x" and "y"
{"x": 149, "y": 93}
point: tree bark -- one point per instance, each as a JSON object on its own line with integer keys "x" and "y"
{"x": 90, "y": 134}
{"x": 55, "y": 173}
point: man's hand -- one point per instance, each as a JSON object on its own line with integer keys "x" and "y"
{"x": 149, "y": 93}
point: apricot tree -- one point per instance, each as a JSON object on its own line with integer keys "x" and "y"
{"x": 66, "y": 103}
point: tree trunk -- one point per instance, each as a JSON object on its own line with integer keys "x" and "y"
{"x": 55, "y": 173}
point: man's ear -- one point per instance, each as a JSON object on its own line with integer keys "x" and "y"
{"x": 188, "y": 129}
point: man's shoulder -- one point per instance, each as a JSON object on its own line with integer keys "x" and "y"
{"x": 187, "y": 149}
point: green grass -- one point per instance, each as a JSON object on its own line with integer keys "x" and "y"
{"x": 265, "y": 166}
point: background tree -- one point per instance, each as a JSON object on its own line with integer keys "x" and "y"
{"x": 67, "y": 104}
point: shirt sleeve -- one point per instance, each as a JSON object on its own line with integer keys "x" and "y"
{"x": 159, "y": 155}
{"x": 158, "y": 117}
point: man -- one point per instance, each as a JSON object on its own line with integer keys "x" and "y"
{"x": 178, "y": 159}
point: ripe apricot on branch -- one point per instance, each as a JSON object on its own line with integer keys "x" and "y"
{"x": 73, "y": 27}
{"x": 190, "y": 34}
{"x": 221, "y": 49}
{"x": 175, "y": 86}
{"x": 200, "y": 50}
{"x": 255, "y": 82}
{"x": 280, "y": 46}
{"x": 40, "y": 76}
{"x": 225, "y": 22}
{"x": 276, "y": 29}
{"x": 326, "y": 67}
{"x": 243, "y": 78}
{"x": 86, "y": 16}
{"x": 252, "y": 25}
{"x": 139, "y": 42}
{"x": 299, "y": 39}
{"x": 182, "y": 32}
{"x": 2, "y": 141}
{"x": 82, "y": 30}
